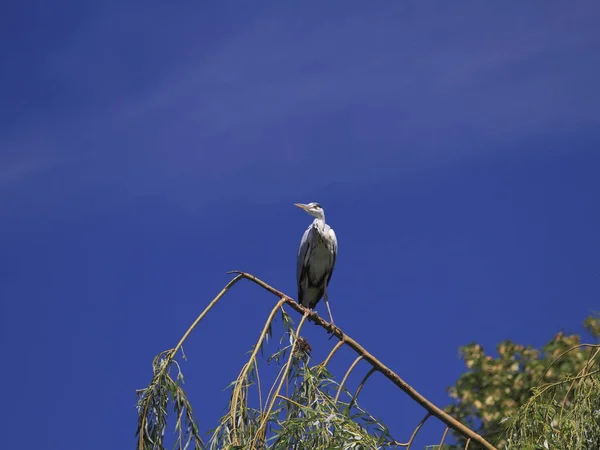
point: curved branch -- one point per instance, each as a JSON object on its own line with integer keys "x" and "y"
{"x": 444, "y": 437}
{"x": 378, "y": 365}
{"x": 350, "y": 369}
{"x": 288, "y": 366}
{"x": 235, "y": 395}
{"x": 331, "y": 353}
{"x": 202, "y": 314}
{"x": 171, "y": 354}
{"x": 417, "y": 429}
{"x": 575, "y": 347}
{"x": 360, "y": 386}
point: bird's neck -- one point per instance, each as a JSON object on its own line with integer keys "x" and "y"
{"x": 319, "y": 223}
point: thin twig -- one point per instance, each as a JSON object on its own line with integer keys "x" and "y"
{"x": 258, "y": 384}
{"x": 563, "y": 354}
{"x": 171, "y": 354}
{"x": 444, "y": 437}
{"x": 290, "y": 401}
{"x": 238, "y": 385}
{"x": 282, "y": 372}
{"x": 202, "y": 314}
{"x": 558, "y": 383}
{"x": 360, "y": 386}
{"x": 288, "y": 366}
{"x": 332, "y": 352}
{"x": 346, "y": 375}
{"x": 581, "y": 373}
{"x": 416, "y": 430}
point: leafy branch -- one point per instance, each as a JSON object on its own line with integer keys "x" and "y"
{"x": 305, "y": 408}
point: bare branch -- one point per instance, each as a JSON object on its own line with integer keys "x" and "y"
{"x": 417, "y": 429}
{"x": 360, "y": 386}
{"x": 350, "y": 369}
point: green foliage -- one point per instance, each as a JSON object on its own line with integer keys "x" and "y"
{"x": 304, "y": 407}
{"x": 309, "y": 415}
{"x": 523, "y": 398}
{"x": 561, "y": 415}
{"x": 154, "y": 403}
{"x": 521, "y": 391}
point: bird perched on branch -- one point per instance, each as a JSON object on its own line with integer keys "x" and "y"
{"x": 316, "y": 258}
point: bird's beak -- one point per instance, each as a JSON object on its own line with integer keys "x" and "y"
{"x": 301, "y": 206}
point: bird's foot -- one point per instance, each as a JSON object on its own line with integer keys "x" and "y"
{"x": 332, "y": 329}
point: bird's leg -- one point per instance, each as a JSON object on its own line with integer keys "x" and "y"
{"x": 328, "y": 308}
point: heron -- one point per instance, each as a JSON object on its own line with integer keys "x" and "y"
{"x": 316, "y": 258}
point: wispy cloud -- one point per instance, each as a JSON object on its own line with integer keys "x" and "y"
{"x": 12, "y": 172}
{"x": 364, "y": 92}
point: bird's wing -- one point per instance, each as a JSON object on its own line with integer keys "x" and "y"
{"x": 334, "y": 249}
{"x": 302, "y": 253}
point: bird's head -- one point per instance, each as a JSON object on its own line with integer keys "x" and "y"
{"x": 314, "y": 209}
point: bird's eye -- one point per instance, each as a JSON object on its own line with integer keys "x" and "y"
{"x": 316, "y": 205}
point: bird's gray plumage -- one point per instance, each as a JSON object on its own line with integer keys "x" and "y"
{"x": 316, "y": 258}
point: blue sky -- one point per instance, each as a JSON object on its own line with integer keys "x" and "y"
{"x": 146, "y": 148}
